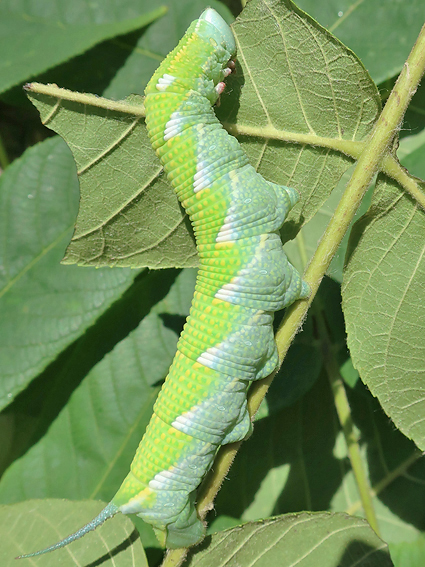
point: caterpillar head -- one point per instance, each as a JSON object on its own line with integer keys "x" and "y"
{"x": 219, "y": 30}
{"x": 215, "y": 32}
{"x": 200, "y": 62}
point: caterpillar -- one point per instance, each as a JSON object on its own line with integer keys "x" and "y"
{"x": 243, "y": 278}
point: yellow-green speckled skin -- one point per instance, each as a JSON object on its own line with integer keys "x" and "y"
{"x": 244, "y": 276}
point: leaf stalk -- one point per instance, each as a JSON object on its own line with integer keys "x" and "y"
{"x": 86, "y": 99}
{"x": 4, "y": 159}
{"x": 343, "y": 410}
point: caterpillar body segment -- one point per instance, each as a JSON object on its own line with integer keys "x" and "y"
{"x": 244, "y": 276}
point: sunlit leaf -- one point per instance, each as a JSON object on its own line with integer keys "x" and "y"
{"x": 121, "y": 182}
{"x": 305, "y": 540}
{"x": 383, "y": 297}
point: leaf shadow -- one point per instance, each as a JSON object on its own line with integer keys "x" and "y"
{"x": 37, "y": 407}
{"x": 362, "y": 554}
{"x": 193, "y": 551}
{"x": 228, "y": 107}
{"x": 172, "y": 321}
{"x": 387, "y": 451}
{"x": 281, "y": 468}
{"x": 90, "y": 72}
{"x": 128, "y": 542}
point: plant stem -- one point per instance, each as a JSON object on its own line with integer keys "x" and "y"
{"x": 350, "y": 148}
{"x": 4, "y": 160}
{"x": 301, "y": 248}
{"x": 174, "y": 557}
{"x": 344, "y": 415}
{"x": 353, "y": 149}
{"x": 389, "y": 478}
{"x": 393, "y": 169}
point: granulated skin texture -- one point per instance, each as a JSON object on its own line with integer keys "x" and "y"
{"x": 244, "y": 276}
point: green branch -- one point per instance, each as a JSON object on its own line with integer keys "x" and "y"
{"x": 389, "y": 165}
{"x": 344, "y": 415}
{"x": 4, "y": 159}
{"x": 348, "y": 147}
{"x": 393, "y": 169}
{"x": 352, "y": 149}
{"x": 376, "y": 150}
{"x": 388, "y": 479}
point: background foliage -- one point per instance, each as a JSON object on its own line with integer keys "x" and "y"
{"x": 83, "y": 351}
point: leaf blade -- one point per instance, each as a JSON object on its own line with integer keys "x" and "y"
{"x": 52, "y": 42}
{"x": 382, "y": 295}
{"x": 304, "y": 539}
{"x": 31, "y": 525}
{"x": 44, "y": 306}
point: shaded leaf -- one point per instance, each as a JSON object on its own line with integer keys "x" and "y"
{"x": 409, "y": 554}
{"x": 88, "y": 448}
{"x": 31, "y": 43}
{"x": 158, "y": 40}
{"x": 414, "y": 119}
{"x": 300, "y": 459}
{"x": 297, "y": 459}
{"x": 124, "y": 65}
{"x": 43, "y": 306}
{"x": 311, "y": 233}
{"x": 300, "y": 369}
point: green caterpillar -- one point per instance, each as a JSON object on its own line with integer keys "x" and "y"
{"x": 244, "y": 276}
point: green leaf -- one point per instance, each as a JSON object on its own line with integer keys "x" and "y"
{"x": 124, "y": 64}
{"x": 306, "y": 106}
{"x": 383, "y": 295}
{"x": 36, "y": 39}
{"x": 299, "y": 371}
{"x": 305, "y": 540}
{"x": 395, "y": 28}
{"x": 158, "y": 40}
{"x": 129, "y": 216}
{"x": 409, "y": 554}
{"x": 35, "y": 524}
{"x": 414, "y": 120}
{"x": 311, "y": 233}
{"x": 297, "y": 457}
{"x": 412, "y": 151}
{"x": 44, "y": 306}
